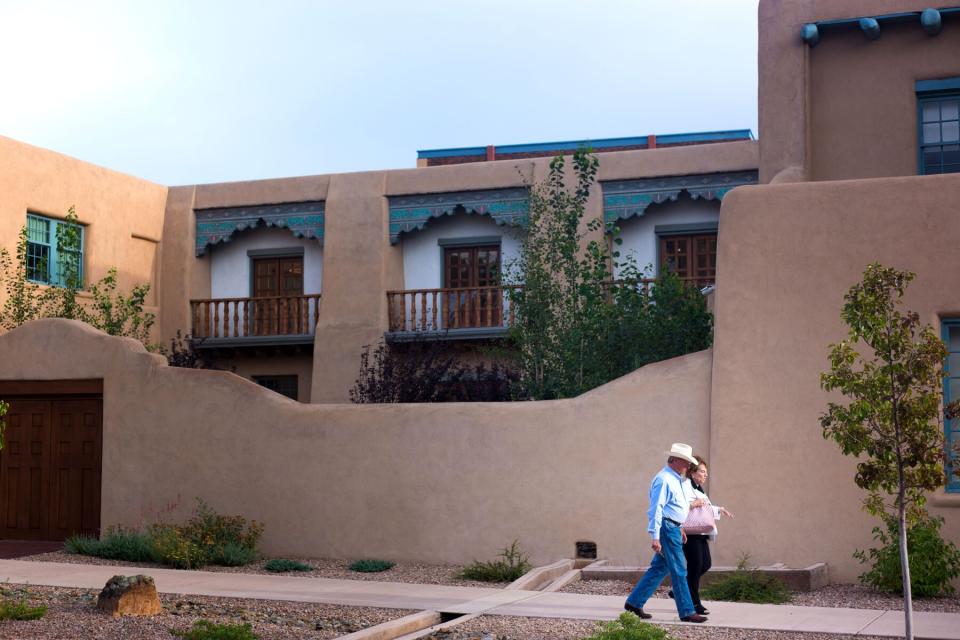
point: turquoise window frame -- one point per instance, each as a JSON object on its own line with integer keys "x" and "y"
{"x": 951, "y": 378}
{"x": 43, "y": 258}
{"x": 933, "y": 92}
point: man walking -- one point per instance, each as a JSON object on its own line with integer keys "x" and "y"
{"x": 669, "y": 505}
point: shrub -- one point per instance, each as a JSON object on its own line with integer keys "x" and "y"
{"x": 371, "y": 566}
{"x": 512, "y": 564}
{"x": 279, "y": 565}
{"x": 127, "y": 544}
{"x": 627, "y": 627}
{"x": 82, "y": 545}
{"x": 206, "y": 630}
{"x": 20, "y": 610}
{"x": 232, "y": 554}
{"x": 747, "y": 585}
{"x": 934, "y": 562}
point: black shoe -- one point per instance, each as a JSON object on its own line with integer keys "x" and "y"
{"x": 638, "y": 611}
{"x": 702, "y": 610}
{"x": 670, "y": 593}
{"x": 693, "y": 618}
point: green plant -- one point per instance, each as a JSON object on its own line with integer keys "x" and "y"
{"x": 4, "y": 407}
{"x": 206, "y": 630}
{"x": 746, "y": 585}
{"x": 119, "y": 543}
{"x": 510, "y": 565}
{"x": 83, "y": 545}
{"x": 891, "y": 367}
{"x": 14, "y": 605}
{"x": 371, "y": 566}
{"x": 232, "y": 554}
{"x": 627, "y": 627}
{"x": 934, "y": 561}
{"x": 174, "y": 549}
{"x": 280, "y": 565}
{"x": 575, "y": 327}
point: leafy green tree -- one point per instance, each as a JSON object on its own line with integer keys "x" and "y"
{"x": 891, "y": 368}
{"x": 107, "y": 309}
{"x": 576, "y": 328}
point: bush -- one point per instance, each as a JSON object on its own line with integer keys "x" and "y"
{"x": 279, "y": 565}
{"x": 20, "y": 610}
{"x": 511, "y": 565}
{"x": 371, "y": 566}
{"x": 206, "y": 630}
{"x": 127, "y": 544}
{"x": 233, "y": 555}
{"x": 627, "y": 627}
{"x": 934, "y": 562}
{"x": 747, "y": 585}
{"x": 82, "y": 545}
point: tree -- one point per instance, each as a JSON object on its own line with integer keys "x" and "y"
{"x": 108, "y": 310}
{"x": 891, "y": 368}
{"x": 576, "y": 328}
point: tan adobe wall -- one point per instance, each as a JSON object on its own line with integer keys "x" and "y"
{"x": 437, "y": 483}
{"x": 360, "y": 264}
{"x": 787, "y": 254}
{"x": 845, "y": 108}
{"x": 123, "y": 215}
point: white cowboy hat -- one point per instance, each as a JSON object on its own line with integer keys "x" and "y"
{"x": 680, "y": 450}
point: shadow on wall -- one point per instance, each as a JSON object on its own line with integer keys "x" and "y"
{"x": 436, "y": 483}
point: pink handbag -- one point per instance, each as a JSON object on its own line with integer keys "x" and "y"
{"x": 700, "y": 521}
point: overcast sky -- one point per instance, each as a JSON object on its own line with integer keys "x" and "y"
{"x": 184, "y": 92}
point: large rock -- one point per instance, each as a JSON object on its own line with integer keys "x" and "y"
{"x": 130, "y": 596}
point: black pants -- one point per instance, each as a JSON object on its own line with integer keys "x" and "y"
{"x": 697, "y": 553}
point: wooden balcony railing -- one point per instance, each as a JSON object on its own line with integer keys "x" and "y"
{"x": 248, "y": 317}
{"x": 442, "y": 309}
{"x": 417, "y": 310}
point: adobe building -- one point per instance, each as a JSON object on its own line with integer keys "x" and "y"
{"x": 286, "y": 280}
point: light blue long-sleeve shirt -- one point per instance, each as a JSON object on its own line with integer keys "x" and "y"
{"x": 668, "y": 499}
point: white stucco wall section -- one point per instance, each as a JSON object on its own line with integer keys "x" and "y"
{"x": 639, "y": 235}
{"x": 230, "y": 264}
{"x": 423, "y": 255}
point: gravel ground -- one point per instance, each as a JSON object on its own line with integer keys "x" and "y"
{"x": 511, "y": 628}
{"x": 849, "y": 596}
{"x": 72, "y": 614}
{"x": 323, "y": 568}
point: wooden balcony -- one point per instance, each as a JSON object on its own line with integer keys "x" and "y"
{"x": 250, "y": 319}
{"x": 468, "y": 311}
{"x": 432, "y": 310}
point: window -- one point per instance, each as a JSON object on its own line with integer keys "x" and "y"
{"x": 938, "y": 103}
{"x": 951, "y": 391}
{"x": 48, "y": 259}
{"x": 691, "y": 257}
{"x": 284, "y": 385}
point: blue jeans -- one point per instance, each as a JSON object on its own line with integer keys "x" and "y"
{"x": 669, "y": 561}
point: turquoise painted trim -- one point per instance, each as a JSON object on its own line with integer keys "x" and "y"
{"x": 951, "y": 428}
{"x": 603, "y": 143}
{"x": 941, "y": 84}
{"x": 213, "y": 226}
{"x": 510, "y": 206}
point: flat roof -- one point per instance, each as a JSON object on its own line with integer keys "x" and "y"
{"x": 596, "y": 144}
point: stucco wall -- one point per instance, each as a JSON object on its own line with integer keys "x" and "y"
{"x": 439, "y": 483}
{"x": 123, "y": 215}
{"x": 640, "y": 241}
{"x": 787, "y": 255}
{"x": 230, "y": 265}
{"x": 845, "y": 108}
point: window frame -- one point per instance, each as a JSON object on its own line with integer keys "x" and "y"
{"x": 927, "y": 92}
{"x": 53, "y": 271}
{"x": 691, "y": 232}
{"x": 951, "y": 434}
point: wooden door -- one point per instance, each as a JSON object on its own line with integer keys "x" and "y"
{"x": 476, "y": 268}
{"x": 50, "y": 468}
{"x": 280, "y": 282}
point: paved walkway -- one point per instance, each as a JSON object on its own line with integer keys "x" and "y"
{"x": 468, "y": 600}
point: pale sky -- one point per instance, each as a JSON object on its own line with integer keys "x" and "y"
{"x": 196, "y": 91}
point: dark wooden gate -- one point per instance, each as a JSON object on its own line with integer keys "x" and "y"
{"x": 50, "y": 465}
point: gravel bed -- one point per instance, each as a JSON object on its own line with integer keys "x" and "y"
{"x": 407, "y": 572}
{"x": 849, "y": 596}
{"x": 72, "y": 614}
{"x": 513, "y": 628}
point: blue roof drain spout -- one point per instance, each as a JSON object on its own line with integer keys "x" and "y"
{"x": 870, "y": 28}
{"x": 810, "y": 34}
{"x": 931, "y": 21}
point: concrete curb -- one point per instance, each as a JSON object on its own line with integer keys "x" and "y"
{"x": 538, "y": 578}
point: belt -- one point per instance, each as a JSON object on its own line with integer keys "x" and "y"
{"x": 679, "y": 524}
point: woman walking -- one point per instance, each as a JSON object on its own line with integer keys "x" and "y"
{"x": 696, "y": 549}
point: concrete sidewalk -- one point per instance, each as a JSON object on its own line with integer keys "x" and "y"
{"x": 471, "y": 600}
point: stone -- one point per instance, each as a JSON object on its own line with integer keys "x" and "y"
{"x": 130, "y": 596}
